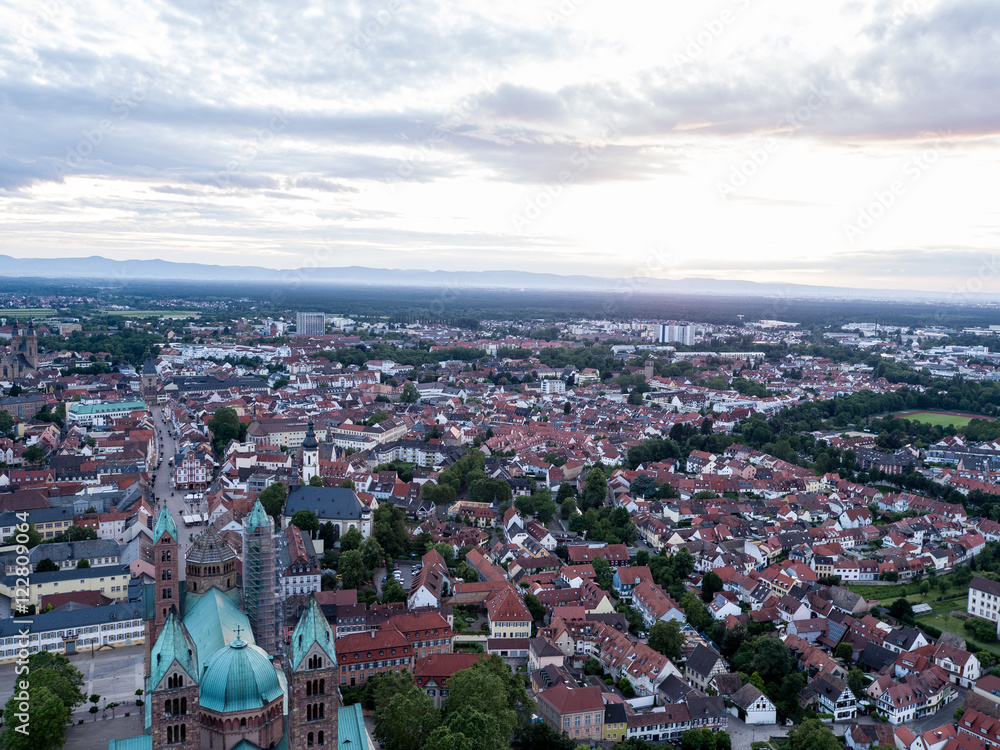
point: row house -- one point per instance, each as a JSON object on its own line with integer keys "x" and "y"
{"x": 361, "y": 656}
{"x": 655, "y": 605}
{"x": 913, "y": 697}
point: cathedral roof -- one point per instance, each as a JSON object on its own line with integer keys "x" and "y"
{"x": 209, "y": 547}
{"x": 258, "y": 517}
{"x": 313, "y": 627}
{"x": 149, "y": 367}
{"x": 239, "y": 678}
{"x": 174, "y": 643}
{"x": 165, "y": 523}
{"x": 214, "y": 619}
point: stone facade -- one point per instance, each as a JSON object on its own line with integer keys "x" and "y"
{"x": 314, "y": 694}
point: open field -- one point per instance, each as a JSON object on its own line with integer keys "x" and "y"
{"x": 27, "y": 312}
{"x": 911, "y": 591}
{"x": 943, "y": 418}
{"x": 154, "y": 313}
{"x": 954, "y": 625}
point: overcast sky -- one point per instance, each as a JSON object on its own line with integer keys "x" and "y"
{"x": 852, "y": 144}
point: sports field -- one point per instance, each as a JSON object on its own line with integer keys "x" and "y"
{"x": 943, "y": 418}
{"x": 27, "y": 312}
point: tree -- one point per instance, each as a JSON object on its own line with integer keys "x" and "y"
{"x": 603, "y": 571}
{"x": 46, "y": 725}
{"x": 812, "y": 734}
{"x": 856, "y": 682}
{"x": 592, "y": 666}
{"x": 273, "y": 499}
{"x": 74, "y": 533}
{"x": 666, "y": 637}
{"x": 316, "y": 481}
{"x": 567, "y": 507}
{"x": 535, "y": 607}
{"x": 225, "y": 425}
{"x": 543, "y": 737}
{"x": 626, "y": 687}
{"x": 711, "y": 584}
{"x": 642, "y": 558}
{"x": 393, "y": 591}
{"x": 389, "y": 528}
{"x": 466, "y": 572}
{"x": 595, "y": 490}
{"x": 306, "y": 521}
{"x": 410, "y": 394}
{"x": 407, "y": 720}
{"x": 347, "y": 484}
{"x": 844, "y": 651}
{"x": 352, "y": 569}
{"x": 372, "y": 553}
{"x": 34, "y": 455}
{"x": 447, "y": 552}
{"x": 351, "y": 540}
{"x": 545, "y": 509}
{"x": 83, "y": 563}
{"x": 772, "y": 658}
{"x": 696, "y": 612}
{"x": 902, "y": 610}
{"x": 6, "y": 423}
{"x": 491, "y": 674}
{"x": 46, "y": 565}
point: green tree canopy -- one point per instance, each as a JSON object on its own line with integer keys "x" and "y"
{"x": 372, "y": 553}
{"x": 352, "y": 569}
{"x": 306, "y": 521}
{"x": 351, "y": 540}
{"x": 273, "y": 499}
{"x": 45, "y": 565}
{"x": 667, "y": 638}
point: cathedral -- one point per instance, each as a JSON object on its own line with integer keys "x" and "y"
{"x": 23, "y": 357}
{"x": 217, "y": 677}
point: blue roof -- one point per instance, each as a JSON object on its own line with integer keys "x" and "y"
{"x": 212, "y": 619}
{"x": 351, "y": 732}
{"x": 165, "y": 523}
{"x": 142, "y": 742}
{"x": 239, "y": 678}
{"x": 174, "y": 643}
{"x": 312, "y": 627}
{"x": 258, "y": 517}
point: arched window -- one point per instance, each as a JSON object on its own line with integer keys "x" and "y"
{"x": 309, "y": 740}
{"x": 322, "y": 687}
{"x": 243, "y": 722}
{"x": 166, "y": 707}
{"x": 309, "y": 688}
{"x": 184, "y": 706}
{"x": 321, "y": 738}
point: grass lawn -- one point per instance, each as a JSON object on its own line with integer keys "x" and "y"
{"x": 154, "y": 313}
{"x": 954, "y": 597}
{"x": 954, "y": 625}
{"x": 937, "y": 418}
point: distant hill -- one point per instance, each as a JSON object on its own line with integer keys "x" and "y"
{"x": 96, "y": 267}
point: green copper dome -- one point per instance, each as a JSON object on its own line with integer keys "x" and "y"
{"x": 239, "y": 678}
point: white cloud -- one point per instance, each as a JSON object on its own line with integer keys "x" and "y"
{"x": 746, "y": 135}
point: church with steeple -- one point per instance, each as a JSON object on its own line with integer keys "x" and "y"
{"x": 23, "y": 357}
{"x": 216, "y": 676}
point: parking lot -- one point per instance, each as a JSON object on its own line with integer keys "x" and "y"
{"x": 406, "y": 577}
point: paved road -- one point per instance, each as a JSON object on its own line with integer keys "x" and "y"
{"x": 163, "y": 486}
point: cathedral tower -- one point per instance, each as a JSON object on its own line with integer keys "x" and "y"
{"x": 312, "y": 682}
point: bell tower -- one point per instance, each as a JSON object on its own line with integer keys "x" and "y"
{"x": 166, "y": 566}
{"x": 310, "y": 455}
